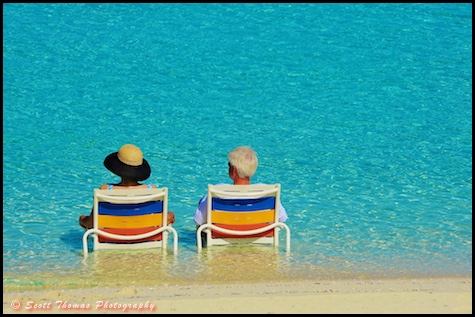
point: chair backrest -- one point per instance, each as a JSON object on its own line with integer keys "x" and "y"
{"x": 242, "y": 214}
{"x": 130, "y": 218}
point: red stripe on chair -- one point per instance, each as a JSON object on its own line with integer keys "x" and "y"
{"x": 130, "y": 232}
{"x": 268, "y": 233}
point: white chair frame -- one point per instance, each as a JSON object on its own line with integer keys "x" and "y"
{"x": 242, "y": 191}
{"x": 132, "y": 196}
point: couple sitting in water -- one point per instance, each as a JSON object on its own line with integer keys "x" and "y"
{"x": 129, "y": 164}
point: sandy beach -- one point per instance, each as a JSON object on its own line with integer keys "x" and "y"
{"x": 386, "y": 296}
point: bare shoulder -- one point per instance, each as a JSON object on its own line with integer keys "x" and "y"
{"x": 104, "y": 186}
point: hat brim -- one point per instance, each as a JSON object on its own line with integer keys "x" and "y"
{"x": 135, "y": 173}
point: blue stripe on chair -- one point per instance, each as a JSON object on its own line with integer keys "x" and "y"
{"x": 243, "y": 204}
{"x": 151, "y": 207}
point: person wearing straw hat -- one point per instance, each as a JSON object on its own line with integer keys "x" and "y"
{"x": 129, "y": 164}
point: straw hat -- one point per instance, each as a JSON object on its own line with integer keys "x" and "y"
{"x": 128, "y": 163}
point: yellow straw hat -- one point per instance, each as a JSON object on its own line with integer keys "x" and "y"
{"x": 128, "y": 163}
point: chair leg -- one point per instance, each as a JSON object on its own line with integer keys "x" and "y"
{"x": 84, "y": 241}
{"x": 199, "y": 243}
{"x": 201, "y": 239}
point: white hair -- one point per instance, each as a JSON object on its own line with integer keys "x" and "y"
{"x": 245, "y": 160}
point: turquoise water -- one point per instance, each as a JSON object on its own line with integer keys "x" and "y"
{"x": 363, "y": 113}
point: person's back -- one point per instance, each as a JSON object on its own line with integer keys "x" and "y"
{"x": 242, "y": 165}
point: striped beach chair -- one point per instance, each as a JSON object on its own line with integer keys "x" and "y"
{"x": 238, "y": 214}
{"x": 130, "y": 219}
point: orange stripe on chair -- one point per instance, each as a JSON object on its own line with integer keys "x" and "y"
{"x": 269, "y": 233}
{"x": 243, "y": 218}
{"x": 129, "y": 232}
{"x": 131, "y": 222}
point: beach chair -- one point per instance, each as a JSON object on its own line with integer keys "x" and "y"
{"x": 238, "y": 214}
{"x": 130, "y": 219}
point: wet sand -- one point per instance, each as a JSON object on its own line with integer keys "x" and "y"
{"x": 385, "y": 296}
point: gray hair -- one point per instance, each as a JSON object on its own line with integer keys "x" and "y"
{"x": 245, "y": 160}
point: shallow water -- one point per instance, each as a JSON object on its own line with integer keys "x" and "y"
{"x": 361, "y": 111}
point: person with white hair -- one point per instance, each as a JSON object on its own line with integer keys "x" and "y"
{"x": 242, "y": 164}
